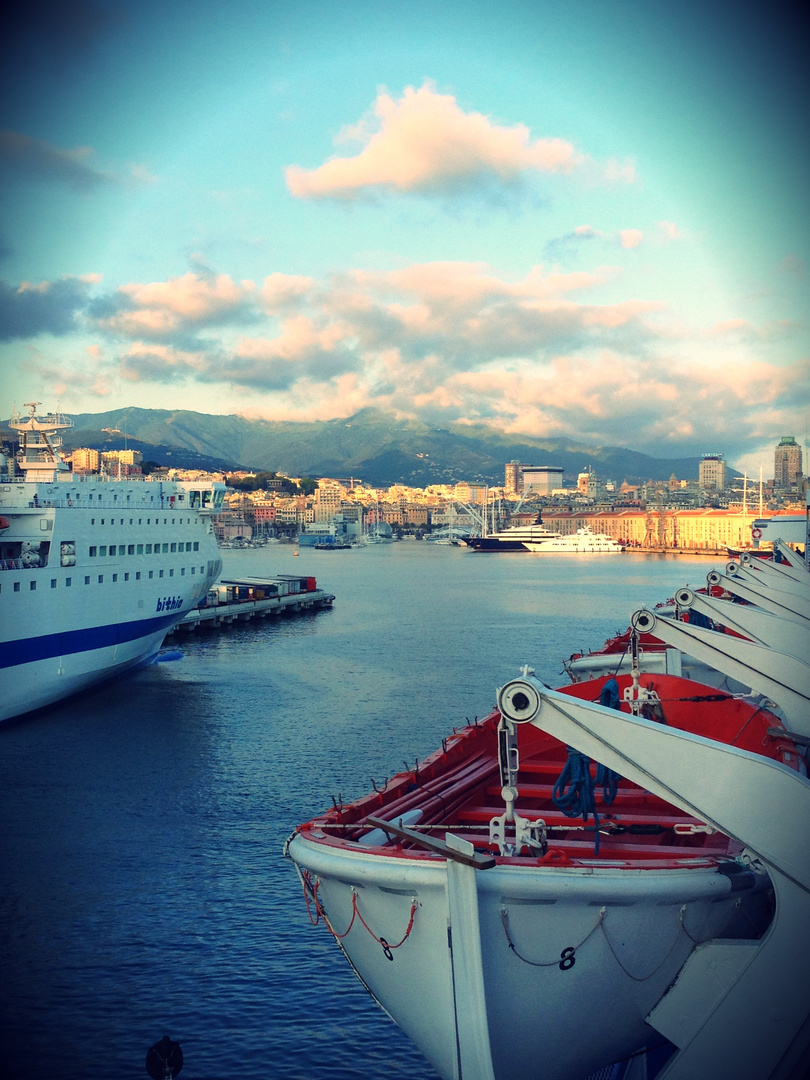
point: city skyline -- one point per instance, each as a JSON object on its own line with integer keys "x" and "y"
{"x": 554, "y": 219}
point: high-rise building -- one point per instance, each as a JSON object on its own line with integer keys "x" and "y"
{"x": 712, "y": 472}
{"x": 787, "y": 463}
{"x": 327, "y": 500}
{"x": 541, "y": 479}
{"x": 513, "y": 479}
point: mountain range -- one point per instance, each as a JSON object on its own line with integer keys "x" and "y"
{"x": 372, "y": 446}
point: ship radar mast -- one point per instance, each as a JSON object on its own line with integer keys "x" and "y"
{"x": 40, "y": 440}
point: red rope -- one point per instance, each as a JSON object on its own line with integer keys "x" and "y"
{"x": 312, "y": 890}
{"x": 380, "y": 940}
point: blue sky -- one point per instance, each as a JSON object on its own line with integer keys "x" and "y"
{"x": 574, "y": 218}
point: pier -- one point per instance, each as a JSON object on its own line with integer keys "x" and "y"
{"x": 240, "y": 600}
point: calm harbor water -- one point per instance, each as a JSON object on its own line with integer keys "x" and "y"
{"x": 141, "y": 825}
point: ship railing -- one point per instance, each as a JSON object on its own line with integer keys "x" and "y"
{"x": 109, "y": 504}
{"x": 11, "y": 564}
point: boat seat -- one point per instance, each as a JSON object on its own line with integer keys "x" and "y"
{"x": 543, "y": 793}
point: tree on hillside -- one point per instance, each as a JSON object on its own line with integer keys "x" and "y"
{"x": 261, "y": 480}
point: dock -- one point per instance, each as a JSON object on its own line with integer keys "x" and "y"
{"x": 242, "y": 599}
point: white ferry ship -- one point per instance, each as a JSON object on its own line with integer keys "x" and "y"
{"x": 94, "y": 569}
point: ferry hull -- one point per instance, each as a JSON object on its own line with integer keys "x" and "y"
{"x": 38, "y": 683}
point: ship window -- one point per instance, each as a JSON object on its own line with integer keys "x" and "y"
{"x": 131, "y": 549}
{"x": 148, "y": 549}
{"x": 196, "y": 545}
{"x": 32, "y": 585}
{"x": 137, "y": 575}
{"x": 102, "y": 521}
{"x": 182, "y": 571}
{"x": 160, "y": 573}
{"x": 165, "y": 549}
{"x": 92, "y": 521}
{"x": 103, "y": 549}
{"x": 87, "y": 580}
{"x": 93, "y": 552}
{"x": 151, "y": 573}
{"x": 139, "y": 550}
{"x": 68, "y": 582}
{"x": 126, "y": 577}
{"x": 115, "y": 577}
{"x": 194, "y": 569}
{"x": 174, "y": 547}
{"x": 101, "y": 579}
{"x": 171, "y": 572}
{"x": 188, "y": 545}
{"x": 53, "y": 582}
{"x": 16, "y": 586}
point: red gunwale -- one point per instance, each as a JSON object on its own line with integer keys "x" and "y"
{"x": 459, "y": 786}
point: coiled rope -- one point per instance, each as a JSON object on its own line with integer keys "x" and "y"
{"x": 574, "y": 792}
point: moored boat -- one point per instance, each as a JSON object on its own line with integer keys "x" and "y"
{"x": 513, "y": 538}
{"x": 522, "y": 911}
{"x": 583, "y": 540}
{"x": 94, "y": 569}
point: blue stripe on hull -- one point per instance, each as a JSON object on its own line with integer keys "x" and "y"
{"x": 47, "y": 646}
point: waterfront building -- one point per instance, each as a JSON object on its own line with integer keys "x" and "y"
{"x": 712, "y": 473}
{"x": 787, "y": 464}
{"x": 662, "y": 527}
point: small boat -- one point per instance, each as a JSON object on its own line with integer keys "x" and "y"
{"x": 615, "y": 868}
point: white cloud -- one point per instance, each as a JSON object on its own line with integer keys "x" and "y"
{"x": 425, "y": 142}
{"x": 450, "y": 341}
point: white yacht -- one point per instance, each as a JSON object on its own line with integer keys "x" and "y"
{"x": 582, "y": 540}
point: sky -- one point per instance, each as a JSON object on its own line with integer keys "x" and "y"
{"x": 582, "y": 218}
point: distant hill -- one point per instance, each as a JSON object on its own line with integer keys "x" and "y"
{"x": 371, "y": 445}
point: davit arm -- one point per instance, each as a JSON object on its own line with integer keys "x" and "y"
{"x": 781, "y": 677}
{"x": 756, "y": 1025}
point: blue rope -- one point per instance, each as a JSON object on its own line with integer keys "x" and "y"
{"x": 574, "y": 792}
